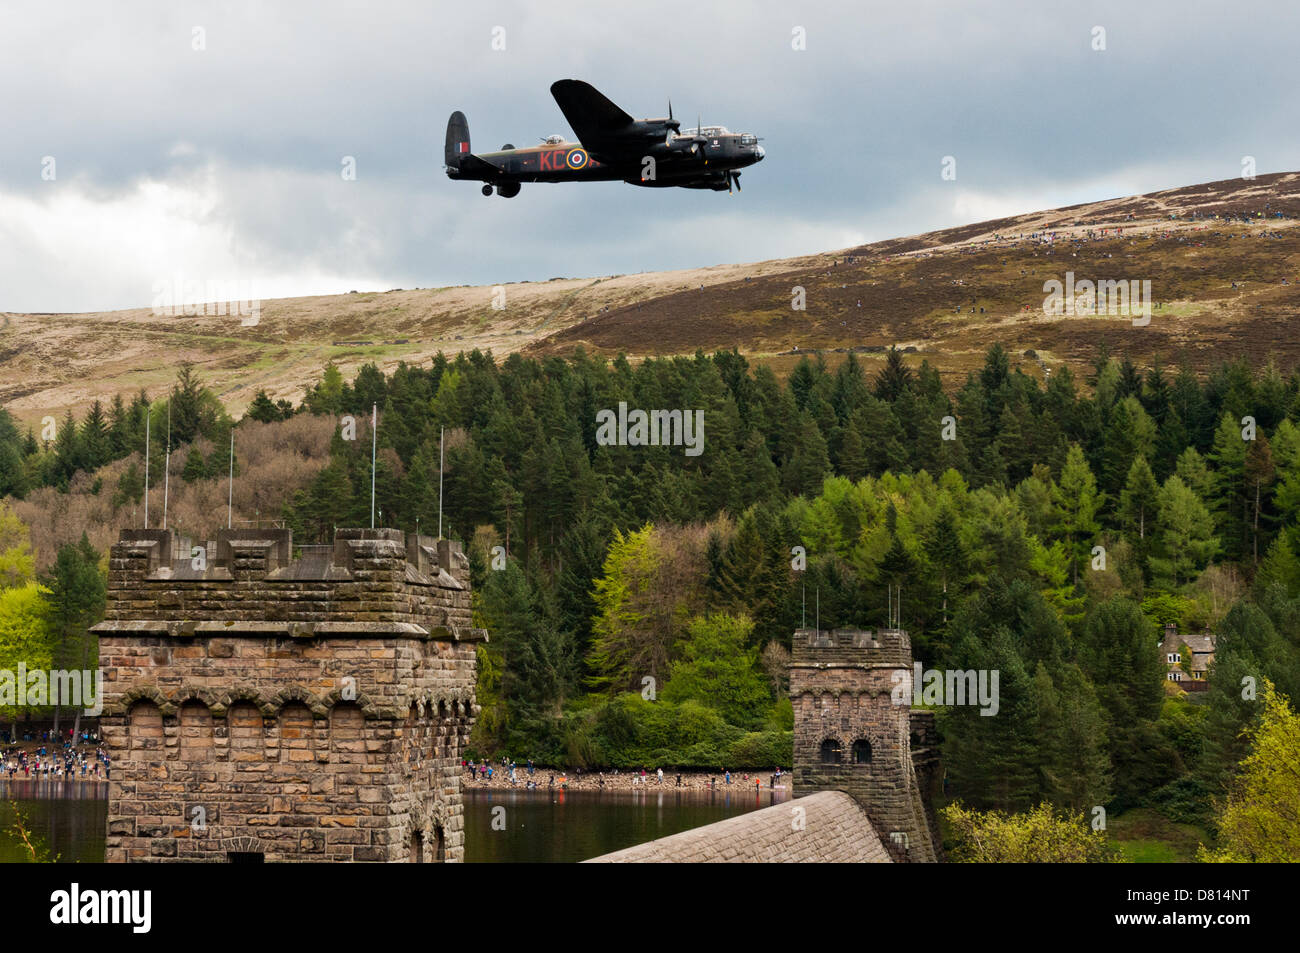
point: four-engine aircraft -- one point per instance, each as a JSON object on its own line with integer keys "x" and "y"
{"x": 611, "y": 147}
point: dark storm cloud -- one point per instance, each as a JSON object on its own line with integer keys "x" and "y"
{"x": 224, "y": 162}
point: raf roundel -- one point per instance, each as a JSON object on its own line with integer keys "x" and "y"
{"x": 576, "y": 159}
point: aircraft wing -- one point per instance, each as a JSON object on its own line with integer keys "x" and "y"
{"x": 602, "y": 127}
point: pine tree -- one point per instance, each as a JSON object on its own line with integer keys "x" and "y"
{"x": 194, "y": 466}
{"x": 1129, "y": 433}
{"x": 993, "y": 761}
{"x": 1280, "y": 567}
{"x": 809, "y": 462}
{"x": 1118, "y": 652}
{"x": 1013, "y": 445}
{"x": 1080, "y": 774}
{"x": 1077, "y": 503}
{"x": 753, "y": 579}
{"x": 719, "y": 669}
{"x": 1259, "y": 473}
{"x": 581, "y": 555}
{"x": 894, "y": 378}
{"x": 77, "y": 595}
{"x": 1230, "y": 498}
{"x": 119, "y": 429}
{"x": 947, "y": 555}
{"x": 188, "y": 413}
{"x": 95, "y": 437}
{"x": 1139, "y": 509}
{"x": 1192, "y": 470}
{"x": 262, "y": 409}
{"x": 1186, "y": 541}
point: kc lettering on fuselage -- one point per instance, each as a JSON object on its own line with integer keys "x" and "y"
{"x": 560, "y": 160}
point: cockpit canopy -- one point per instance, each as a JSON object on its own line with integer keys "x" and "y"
{"x": 711, "y": 132}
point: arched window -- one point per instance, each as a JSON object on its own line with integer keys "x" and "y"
{"x": 832, "y": 751}
{"x": 195, "y": 722}
{"x": 862, "y": 751}
{"x": 144, "y": 732}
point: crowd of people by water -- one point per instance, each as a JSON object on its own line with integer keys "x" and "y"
{"x": 508, "y": 773}
{"x": 55, "y": 756}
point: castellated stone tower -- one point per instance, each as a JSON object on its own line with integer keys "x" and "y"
{"x": 852, "y": 734}
{"x": 262, "y": 706}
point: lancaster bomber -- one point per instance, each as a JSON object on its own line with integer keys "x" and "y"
{"x": 611, "y": 147}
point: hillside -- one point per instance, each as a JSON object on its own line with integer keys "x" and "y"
{"x": 904, "y": 291}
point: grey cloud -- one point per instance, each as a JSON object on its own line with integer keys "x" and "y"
{"x": 855, "y": 127}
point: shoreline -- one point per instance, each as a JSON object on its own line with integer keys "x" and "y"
{"x": 547, "y": 779}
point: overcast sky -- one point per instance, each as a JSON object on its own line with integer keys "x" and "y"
{"x": 223, "y": 163}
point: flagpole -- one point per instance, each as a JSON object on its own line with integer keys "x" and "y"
{"x": 374, "y": 442}
{"x": 147, "y": 409}
{"x": 440, "y": 458}
{"x": 230, "y": 498}
{"x": 167, "y": 462}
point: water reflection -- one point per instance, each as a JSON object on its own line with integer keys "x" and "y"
{"x": 66, "y": 817}
{"x": 565, "y": 826}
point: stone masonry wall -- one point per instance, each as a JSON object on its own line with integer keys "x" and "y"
{"x": 309, "y": 709}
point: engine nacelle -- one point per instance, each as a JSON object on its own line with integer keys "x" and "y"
{"x": 508, "y": 190}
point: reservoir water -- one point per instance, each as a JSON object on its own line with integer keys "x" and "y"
{"x": 68, "y": 818}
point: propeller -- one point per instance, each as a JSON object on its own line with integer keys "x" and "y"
{"x": 733, "y": 178}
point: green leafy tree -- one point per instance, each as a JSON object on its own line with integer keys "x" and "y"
{"x": 719, "y": 668}
{"x": 1039, "y": 836}
{"x": 631, "y": 636}
{"x": 17, "y": 563}
{"x": 1259, "y": 822}
{"x": 27, "y": 636}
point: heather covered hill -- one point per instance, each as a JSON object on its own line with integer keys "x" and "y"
{"x": 1217, "y": 256}
{"x": 1224, "y": 286}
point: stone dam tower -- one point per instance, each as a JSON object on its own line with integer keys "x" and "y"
{"x": 856, "y": 732}
{"x": 865, "y": 767}
{"x": 266, "y": 706}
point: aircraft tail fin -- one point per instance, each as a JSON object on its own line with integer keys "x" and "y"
{"x": 457, "y": 140}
